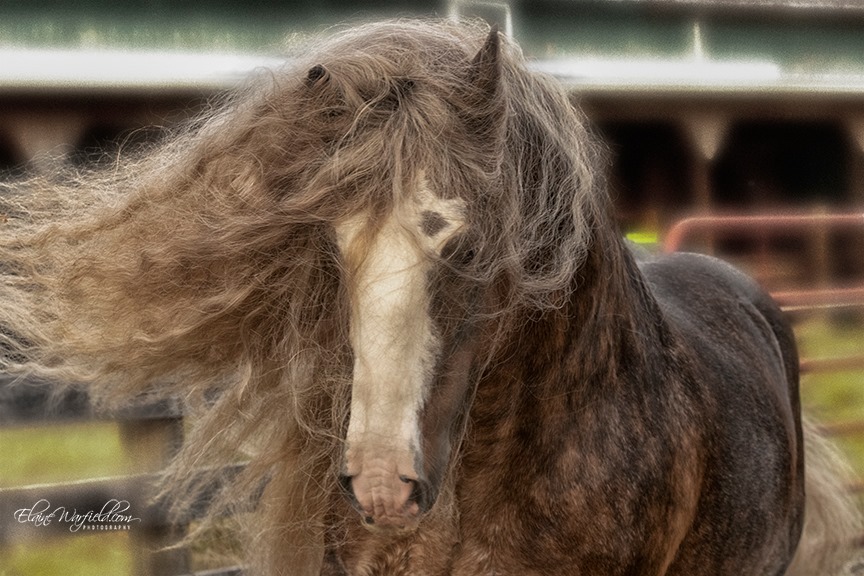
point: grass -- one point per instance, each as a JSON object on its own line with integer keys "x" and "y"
{"x": 50, "y": 454}
{"x": 62, "y": 453}
{"x": 106, "y": 554}
{"x": 835, "y": 397}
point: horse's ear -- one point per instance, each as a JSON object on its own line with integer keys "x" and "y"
{"x": 317, "y": 76}
{"x": 485, "y": 72}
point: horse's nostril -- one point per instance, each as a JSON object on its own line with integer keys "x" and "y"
{"x": 348, "y": 489}
{"x": 419, "y": 493}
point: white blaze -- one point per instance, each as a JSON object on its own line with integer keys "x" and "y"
{"x": 392, "y": 336}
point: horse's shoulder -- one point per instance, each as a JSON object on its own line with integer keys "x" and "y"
{"x": 709, "y": 301}
{"x": 706, "y": 298}
{"x": 689, "y": 267}
{"x": 700, "y": 282}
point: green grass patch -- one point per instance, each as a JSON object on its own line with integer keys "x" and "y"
{"x": 834, "y": 397}
{"x": 822, "y": 337}
{"x": 103, "y": 553}
{"x": 60, "y": 453}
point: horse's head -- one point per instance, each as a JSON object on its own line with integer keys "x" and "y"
{"x": 412, "y": 355}
{"x": 451, "y": 179}
{"x": 411, "y": 329}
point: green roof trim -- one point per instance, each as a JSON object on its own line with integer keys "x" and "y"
{"x": 573, "y": 39}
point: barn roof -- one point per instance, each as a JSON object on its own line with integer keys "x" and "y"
{"x": 825, "y": 6}
{"x": 715, "y": 46}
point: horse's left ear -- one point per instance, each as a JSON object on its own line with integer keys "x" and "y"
{"x": 317, "y": 76}
{"x": 485, "y": 73}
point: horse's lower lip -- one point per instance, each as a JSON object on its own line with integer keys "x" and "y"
{"x": 407, "y": 522}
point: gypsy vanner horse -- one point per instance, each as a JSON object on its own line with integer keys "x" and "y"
{"x": 387, "y": 278}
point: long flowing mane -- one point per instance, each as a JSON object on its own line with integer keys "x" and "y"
{"x": 206, "y": 269}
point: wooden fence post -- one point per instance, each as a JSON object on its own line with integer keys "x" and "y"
{"x": 152, "y": 443}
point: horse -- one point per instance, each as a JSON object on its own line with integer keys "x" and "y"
{"x": 388, "y": 278}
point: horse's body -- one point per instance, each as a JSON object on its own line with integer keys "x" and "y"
{"x": 600, "y": 445}
{"x": 392, "y": 281}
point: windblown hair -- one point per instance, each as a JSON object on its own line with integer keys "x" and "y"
{"x": 206, "y": 269}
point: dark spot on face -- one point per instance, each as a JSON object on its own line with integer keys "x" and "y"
{"x": 432, "y": 223}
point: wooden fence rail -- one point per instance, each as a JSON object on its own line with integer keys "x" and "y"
{"x": 151, "y": 433}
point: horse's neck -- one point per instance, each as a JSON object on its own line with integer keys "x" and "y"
{"x": 566, "y": 357}
{"x": 613, "y": 317}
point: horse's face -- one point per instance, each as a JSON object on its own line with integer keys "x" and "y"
{"x": 412, "y": 348}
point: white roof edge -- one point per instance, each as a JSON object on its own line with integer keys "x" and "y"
{"x": 702, "y": 76}
{"x": 119, "y": 70}
{"x": 24, "y": 68}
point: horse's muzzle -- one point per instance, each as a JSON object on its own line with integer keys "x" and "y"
{"x": 388, "y": 503}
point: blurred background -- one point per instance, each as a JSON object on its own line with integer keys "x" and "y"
{"x": 735, "y": 127}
